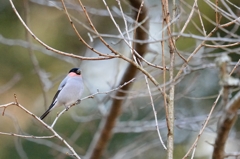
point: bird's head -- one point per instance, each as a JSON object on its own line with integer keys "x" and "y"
{"x": 76, "y": 71}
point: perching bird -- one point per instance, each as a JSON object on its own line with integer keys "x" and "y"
{"x": 69, "y": 91}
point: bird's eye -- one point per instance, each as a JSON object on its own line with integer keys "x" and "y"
{"x": 78, "y": 72}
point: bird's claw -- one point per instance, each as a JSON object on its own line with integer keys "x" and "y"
{"x": 67, "y": 108}
{"x": 78, "y": 101}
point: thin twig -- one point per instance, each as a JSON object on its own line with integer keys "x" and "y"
{"x": 27, "y": 136}
{"x": 154, "y": 81}
{"x": 43, "y": 123}
{"x": 205, "y": 122}
{"x": 155, "y": 113}
{"x": 90, "y": 96}
{"x": 105, "y": 56}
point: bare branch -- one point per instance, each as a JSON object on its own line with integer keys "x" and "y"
{"x": 27, "y": 136}
{"x": 55, "y": 134}
{"x": 106, "y": 56}
{"x": 106, "y": 126}
{"x": 204, "y": 124}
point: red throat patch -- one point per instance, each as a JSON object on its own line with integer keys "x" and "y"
{"x": 71, "y": 74}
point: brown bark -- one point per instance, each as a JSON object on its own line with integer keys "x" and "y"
{"x": 131, "y": 71}
{"x": 226, "y": 122}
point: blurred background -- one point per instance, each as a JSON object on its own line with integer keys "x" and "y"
{"x": 33, "y": 73}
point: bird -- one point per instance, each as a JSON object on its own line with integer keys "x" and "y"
{"x": 69, "y": 91}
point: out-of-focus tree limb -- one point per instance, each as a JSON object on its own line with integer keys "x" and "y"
{"x": 226, "y": 122}
{"x": 16, "y": 78}
{"x": 107, "y": 125}
{"x": 229, "y": 114}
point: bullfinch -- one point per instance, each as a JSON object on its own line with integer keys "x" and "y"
{"x": 69, "y": 91}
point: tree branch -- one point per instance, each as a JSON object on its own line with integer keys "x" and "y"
{"x": 108, "y": 123}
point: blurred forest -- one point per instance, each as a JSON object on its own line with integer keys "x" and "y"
{"x": 156, "y": 73}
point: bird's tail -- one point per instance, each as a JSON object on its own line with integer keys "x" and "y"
{"x": 45, "y": 114}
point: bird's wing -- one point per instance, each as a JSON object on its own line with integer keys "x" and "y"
{"x": 62, "y": 84}
{"x": 54, "y": 99}
{"x": 51, "y": 106}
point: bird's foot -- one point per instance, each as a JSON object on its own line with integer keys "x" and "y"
{"x": 66, "y": 108}
{"x": 78, "y": 101}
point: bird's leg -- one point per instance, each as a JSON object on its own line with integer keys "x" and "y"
{"x": 66, "y": 107}
{"x": 78, "y": 101}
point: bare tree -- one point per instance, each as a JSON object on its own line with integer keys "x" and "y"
{"x": 158, "y": 74}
